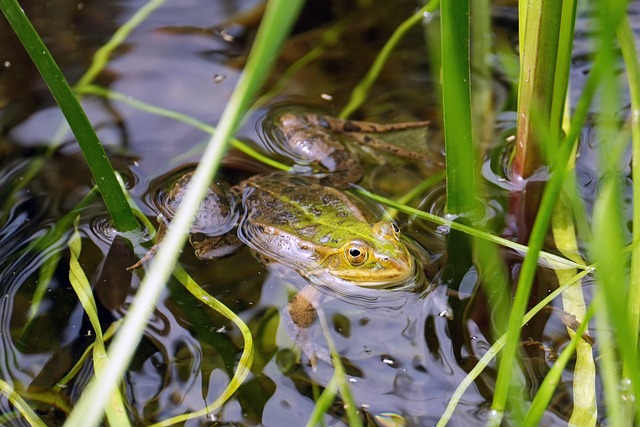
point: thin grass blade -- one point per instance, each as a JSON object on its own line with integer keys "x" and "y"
{"x": 244, "y": 364}
{"x": 361, "y": 91}
{"x": 94, "y": 153}
{"x": 21, "y": 405}
{"x": 278, "y": 18}
{"x": 553, "y": 377}
{"x": 573, "y": 302}
{"x": 116, "y": 411}
{"x": 630, "y": 56}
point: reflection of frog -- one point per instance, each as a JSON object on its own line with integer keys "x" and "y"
{"x": 303, "y": 221}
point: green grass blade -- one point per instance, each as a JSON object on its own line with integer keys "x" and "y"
{"x": 573, "y": 302}
{"x": 116, "y": 411}
{"x": 324, "y": 402}
{"x": 552, "y": 260}
{"x": 102, "y": 55}
{"x": 497, "y": 347}
{"x": 278, "y": 18}
{"x": 174, "y": 115}
{"x": 538, "y": 234}
{"x": 45, "y": 242}
{"x": 561, "y": 78}
{"x": 605, "y": 250}
{"x": 608, "y": 367}
{"x": 456, "y": 106}
{"x": 628, "y": 47}
{"x": 93, "y": 151}
{"x": 330, "y": 37}
{"x": 246, "y": 359}
{"x": 108, "y": 334}
{"x": 553, "y": 377}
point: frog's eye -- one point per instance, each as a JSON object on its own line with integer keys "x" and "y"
{"x": 355, "y": 253}
{"x": 395, "y": 228}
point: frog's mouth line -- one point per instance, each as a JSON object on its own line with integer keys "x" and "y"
{"x": 384, "y": 279}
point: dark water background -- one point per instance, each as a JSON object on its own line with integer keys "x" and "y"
{"x": 403, "y": 358}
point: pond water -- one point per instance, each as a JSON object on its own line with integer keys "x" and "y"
{"x": 405, "y": 352}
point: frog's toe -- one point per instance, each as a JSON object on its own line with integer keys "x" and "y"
{"x": 313, "y": 351}
{"x": 144, "y": 259}
{"x": 302, "y": 338}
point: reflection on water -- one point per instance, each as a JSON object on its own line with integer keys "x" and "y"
{"x": 405, "y": 349}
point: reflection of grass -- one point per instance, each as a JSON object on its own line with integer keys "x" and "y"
{"x": 152, "y": 109}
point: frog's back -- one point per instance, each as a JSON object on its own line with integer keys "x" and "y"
{"x": 299, "y": 213}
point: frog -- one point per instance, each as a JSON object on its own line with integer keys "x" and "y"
{"x": 305, "y": 221}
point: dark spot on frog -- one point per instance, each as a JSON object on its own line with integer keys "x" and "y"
{"x": 327, "y": 199}
{"x": 351, "y": 127}
{"x": 323, "y": 122}
{"x": 306, "y": 232}
{"x": 316, "y": 212}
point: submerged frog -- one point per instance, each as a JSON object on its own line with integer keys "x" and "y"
{"x": 304, "y": 221}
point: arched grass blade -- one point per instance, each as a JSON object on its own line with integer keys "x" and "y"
{"x": 246, "y": 359}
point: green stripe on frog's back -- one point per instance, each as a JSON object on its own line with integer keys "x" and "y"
{"x": 298, "y": 206}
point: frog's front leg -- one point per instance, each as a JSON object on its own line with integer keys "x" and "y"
{"x": 297, "y": 317}
{"x": 162, "y": 230}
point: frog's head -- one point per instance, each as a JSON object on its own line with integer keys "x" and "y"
{"x": 378, "y": 260}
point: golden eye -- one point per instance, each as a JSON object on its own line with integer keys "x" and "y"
{"x": 355, "y": 253}
{"x": 395, "y": 228}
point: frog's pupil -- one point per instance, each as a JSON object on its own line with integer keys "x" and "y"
{"x": 395, "y": 228}
{"x": 354, "y": 252}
